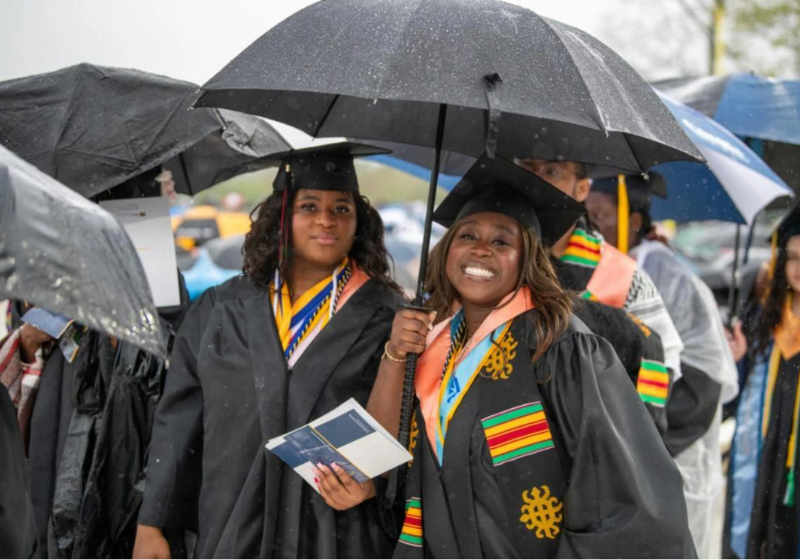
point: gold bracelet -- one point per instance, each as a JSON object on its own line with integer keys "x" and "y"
{"x": 386, "y": 354}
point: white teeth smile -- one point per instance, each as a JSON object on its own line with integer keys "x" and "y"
{"x": 479, "y": 272}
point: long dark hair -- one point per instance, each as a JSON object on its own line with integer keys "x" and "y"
{"x": 536, "y": 272}
{"x": 262, "y": 244}
{"x": 772, "y": 307}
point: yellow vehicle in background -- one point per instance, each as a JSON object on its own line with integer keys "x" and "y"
{"x": 204, "y": 223}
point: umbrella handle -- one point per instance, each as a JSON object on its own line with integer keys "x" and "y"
{"x": 407, "y": 406}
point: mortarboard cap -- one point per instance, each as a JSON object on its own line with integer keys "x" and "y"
{"x": 789, "y": 226}
{"x": 640, "y": 188}
{"x": 326, "y": 168}
{"x": 498, "y": 185}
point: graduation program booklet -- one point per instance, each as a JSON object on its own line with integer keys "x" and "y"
{"x": 49, "y": 322}
{"x": 347, "y": 436}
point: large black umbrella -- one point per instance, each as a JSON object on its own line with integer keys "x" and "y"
{"x": 64, "y": 253}
{"x": 93, "y": 127}
{"x": 464, "y": 75}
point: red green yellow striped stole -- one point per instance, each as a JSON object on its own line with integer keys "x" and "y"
{"x": 412, "y": 526}
{"x": 583, "y": 249}
{"x": 653, "y": 383}
{"x": 517, "y": 432}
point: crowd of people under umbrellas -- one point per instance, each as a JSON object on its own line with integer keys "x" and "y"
{"x": 570, "y": 369}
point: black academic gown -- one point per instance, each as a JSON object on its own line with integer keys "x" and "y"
{"x": 228, "y": 392}
{"x": 774, "y": 526}
{"x": 61, "y": 386}
{"x": 607, "y": 487}
{"x": 17, "y": 525}
{"x": 632, "y": 342}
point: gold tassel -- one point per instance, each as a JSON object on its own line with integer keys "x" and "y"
{"x": 623, "y": 215}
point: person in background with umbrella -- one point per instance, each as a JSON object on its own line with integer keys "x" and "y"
{"x": 109, "y": 385}
{"x": 764, "y": 516}
{"x": 526, "y": 421}
{"x": 302, "y": 331}
{"x": 599, "y": 272}
{"x": 708, "y": 371}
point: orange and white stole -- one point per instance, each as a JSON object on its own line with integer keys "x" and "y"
{"x": 447, "y": 352}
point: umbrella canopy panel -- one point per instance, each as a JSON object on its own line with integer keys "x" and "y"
{"x": 379, "y": 69}
{"x": 64, "y": 253}
{"x": 734, "y": 186}
{"x": 750, "y": 106}
{"x": 220, "y": 156}
{"x": 93, "y": 127}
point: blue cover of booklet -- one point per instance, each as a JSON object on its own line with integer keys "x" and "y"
{"x": 320, "y": 444}
{"x": 347, "y": 436}
{"x": 50, "y": 322}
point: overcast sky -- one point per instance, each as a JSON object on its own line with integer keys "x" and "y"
{"x": 193, "y": 39}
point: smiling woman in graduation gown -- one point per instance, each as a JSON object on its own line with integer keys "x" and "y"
{"x": 253, "y": 361}
{"x": 529, "y": 439}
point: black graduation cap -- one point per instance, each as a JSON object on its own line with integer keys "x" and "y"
{"x": 498, "y": 185}
{"x": 326, "y": 168}
{"x": 789, "y": 226}
{"x": 640, "y": 188}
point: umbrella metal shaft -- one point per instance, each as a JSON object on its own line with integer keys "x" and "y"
{"x": 407, "y": 406}
{"x": 733, "y": 293}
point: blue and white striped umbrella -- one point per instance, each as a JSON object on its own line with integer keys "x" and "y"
{"x": 734, "y": 186}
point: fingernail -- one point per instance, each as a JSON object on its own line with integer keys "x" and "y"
{"x": 316, "y": 480}
{"x": 320, "y": 465}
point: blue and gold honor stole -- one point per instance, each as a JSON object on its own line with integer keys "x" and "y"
{"x": 300, "y": 322}
{"x": 459, "y": 372}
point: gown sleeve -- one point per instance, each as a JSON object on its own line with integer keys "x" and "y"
{"x": 632, "y": 341}
{"x": 625, "y": 493}
{"x": 174, "y": 465}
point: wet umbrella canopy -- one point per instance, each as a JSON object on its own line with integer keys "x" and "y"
{"x": 93, "y": 127}
{"x": 378, "y": 70}
{"x": 750, "y": 106}
{"x": 64, "y": 253}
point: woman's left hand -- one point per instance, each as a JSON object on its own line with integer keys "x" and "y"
{"x": 339, "y": 489}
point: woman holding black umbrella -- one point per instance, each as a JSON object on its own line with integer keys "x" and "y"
{"x": 529, "y": 439}
{"x": 298, "y": 334}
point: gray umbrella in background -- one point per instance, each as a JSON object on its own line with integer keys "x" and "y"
{"x": 93, "y": 127}
{"x": 212, "y": 159}
{"x": 66, "y": 254}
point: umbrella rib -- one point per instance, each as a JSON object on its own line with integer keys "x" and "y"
{"x": 325, "y": 117}
{"x": 64, "y": 118}
{"x": 635, "y": 154}
{"x": 598, "y": 118}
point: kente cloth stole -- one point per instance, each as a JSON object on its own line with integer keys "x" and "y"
{"x": 444, "y": 359}
{"x": 459, "y": 372}
{"x": 583, "y": 249}
{"x": 301, "y": 322}
{"x": 613, "y": 270}
{"x": 653, "y": 383}
{"x": 520, "y": 444}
